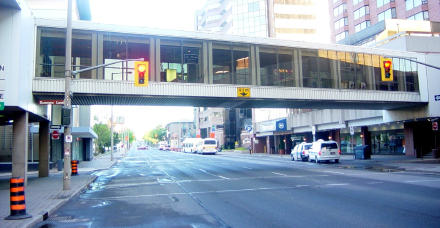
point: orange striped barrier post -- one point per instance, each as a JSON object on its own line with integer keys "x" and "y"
{"x": 74, "y": 167}
{"x": 18, "y": 205}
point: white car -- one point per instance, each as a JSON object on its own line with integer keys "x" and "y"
{"x": 324, "y": 151}
{"x": 207, "y": 146}
{"x": 300, "y": 152}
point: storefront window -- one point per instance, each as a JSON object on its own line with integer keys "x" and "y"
{"x": 391, "y": 142}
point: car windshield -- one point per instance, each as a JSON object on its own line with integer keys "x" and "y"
{"x": 306, "y": 147}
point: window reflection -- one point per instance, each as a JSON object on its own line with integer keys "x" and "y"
{"x": 231, "y": 64}
{"x": 52, "y": 48}
{"x": 180, "y": 61}
{"x": 276, "y": 67}
{"x": 118, "y": 47}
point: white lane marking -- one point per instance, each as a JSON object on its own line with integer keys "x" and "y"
{"x": 204, "y": 171}
{"x": 420, "y": 181}
{"x": 333, "y": 172}
{"x": 246, "y": 168}
{"x": 337, "y": 184}
{"x": 223, "y": 177}
{"x": 375, "y": 183}
{"x": 279, "y": 174}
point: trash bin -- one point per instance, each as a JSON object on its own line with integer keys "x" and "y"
{"x": 362, "y": 152}
{"x": 60, "y": 164}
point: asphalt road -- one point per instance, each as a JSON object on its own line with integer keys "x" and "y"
{"x": 152, "y": 188}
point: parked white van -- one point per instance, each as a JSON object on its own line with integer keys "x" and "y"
{"x": 324, "y": 151}
{"x": 190, "y": 145}
{"x": 207, "y": 146}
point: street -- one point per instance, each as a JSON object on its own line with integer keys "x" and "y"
{"x": 155, "y": 188}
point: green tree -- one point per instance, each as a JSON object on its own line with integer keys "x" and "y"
{"x": 155, "y": 135}
{"x": 104, "y": 133}
{"x": 129, "y": 133}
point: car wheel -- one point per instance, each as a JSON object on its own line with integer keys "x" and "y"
{"x": 336, "y": 160}
{"x": 291, "y": 157}
{"x": 316, "y": 160}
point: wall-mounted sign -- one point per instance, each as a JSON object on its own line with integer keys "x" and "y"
{"x": 279, "y": 125}
{"x": 191, "y": 58}
{"x": 51, "y": 102}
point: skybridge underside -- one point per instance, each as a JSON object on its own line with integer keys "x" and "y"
{"x": 102, "y": 92}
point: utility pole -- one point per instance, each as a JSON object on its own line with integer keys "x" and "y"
{"x": 67, "y": 99}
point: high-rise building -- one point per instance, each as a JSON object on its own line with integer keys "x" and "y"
{"x": 300, "y": 20}
{"x": 348, "y": 17}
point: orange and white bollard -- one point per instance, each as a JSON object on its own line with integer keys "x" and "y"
{"x": 18, "y": 204}
{"x": 74, "y": 164}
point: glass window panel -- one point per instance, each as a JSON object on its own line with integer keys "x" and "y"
{"x": 222, "y": 63}
{"x": 241, "y": 65}
{"x": 309, "y": 60}
{"x": 170, "y": 59}
{"x": 268, "y": 66}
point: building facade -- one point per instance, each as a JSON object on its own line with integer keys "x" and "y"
{"x": 300, "y": 20}
{"x": 348, "y": 17}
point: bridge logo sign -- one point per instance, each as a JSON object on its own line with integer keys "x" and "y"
{"x": 243, "y": 92}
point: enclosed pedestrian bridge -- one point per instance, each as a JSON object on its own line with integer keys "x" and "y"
{"x": 218, "y": 70}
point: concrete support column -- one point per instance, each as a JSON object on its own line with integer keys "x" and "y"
{"x": 366, "y": 139}
{"x": 44, "y": 147}
{"x": 408, "y": 131}
{"x": 20, "y": 146}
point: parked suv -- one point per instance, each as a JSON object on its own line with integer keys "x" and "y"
{"x": 301, "y": 152}
{"x": 324, "y": 151}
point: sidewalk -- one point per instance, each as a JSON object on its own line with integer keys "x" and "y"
{"x": 397, "y": 162}
{"x": 45, "y": 195}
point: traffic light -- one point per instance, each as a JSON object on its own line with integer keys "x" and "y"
{"x": 387, "y": 70}
{"x": 141, "y": 73}
{"x": 66, "y": 113}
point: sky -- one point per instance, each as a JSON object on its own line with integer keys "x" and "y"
{"x": 167, "y": 14}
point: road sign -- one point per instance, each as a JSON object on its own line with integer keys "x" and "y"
{"x": 313, "y": 130}
{"x": 55, "y": 127}
{"x": 55, "y": 135}
{"x": 243, "y": 92}
{"x": 434, "y": 126}
{"x": 68, "y": 139}
{"x": 248, "y": 128}
{"x": 126, "y": 138}
{"x": 437, "y": 97}
{"x": 351, "y": 130}
{"x": 2, "y": 106}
